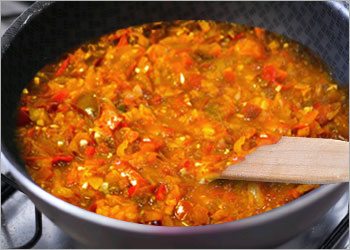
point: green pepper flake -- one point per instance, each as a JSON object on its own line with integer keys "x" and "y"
{"x": 122, "y": 108}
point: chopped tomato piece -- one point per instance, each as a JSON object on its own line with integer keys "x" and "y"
{"x": 90, "y": 151}
{"x": 188, "y": 164}
{"x": 194, "y": 81}
{"x": 92, "y": 207}
{"x": 271, "y": 74}
{"x": 250, "y": 47}
{"x": 132, "y": 191}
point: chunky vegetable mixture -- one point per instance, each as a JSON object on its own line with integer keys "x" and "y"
{"x": 137, "y": 125}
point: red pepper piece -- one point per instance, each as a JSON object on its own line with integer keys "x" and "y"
{"x": 90, "y": 151}
{"x": 23, "y": 117}
{"x": 237, "y": 37}
{"x": 121, "y": 37}
{"x": 161, "y": 192}
{"x": 123, "y": 41}
{"x": 188, "y": 164}
{"x": 269, "y": 73}
{"x": 92, "y": 207}
{"x": 24, "y": 108}
{"x": 132, "y": 191}
{"x": 61, "y": 160}
{"x": 63, "y": 67}
{"x": 60, "y": 96}
{"x": 123, "y": 123}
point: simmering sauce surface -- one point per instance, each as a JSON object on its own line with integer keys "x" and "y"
{"x": 136, "y": 125}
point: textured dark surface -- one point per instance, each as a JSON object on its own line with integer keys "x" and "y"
{"x": 37, "y": 38}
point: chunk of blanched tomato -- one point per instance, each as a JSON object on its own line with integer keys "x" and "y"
{"x": 250, "y": 47}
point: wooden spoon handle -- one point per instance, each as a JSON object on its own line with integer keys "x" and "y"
{"x": 295, "y": 160}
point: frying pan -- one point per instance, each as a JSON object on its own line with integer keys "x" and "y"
{"x": 47, "y": 29}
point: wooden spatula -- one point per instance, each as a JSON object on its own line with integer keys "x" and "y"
{"x": 295, "y": 160}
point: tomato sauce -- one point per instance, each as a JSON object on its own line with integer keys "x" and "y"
{"x": 137, "y": 124}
